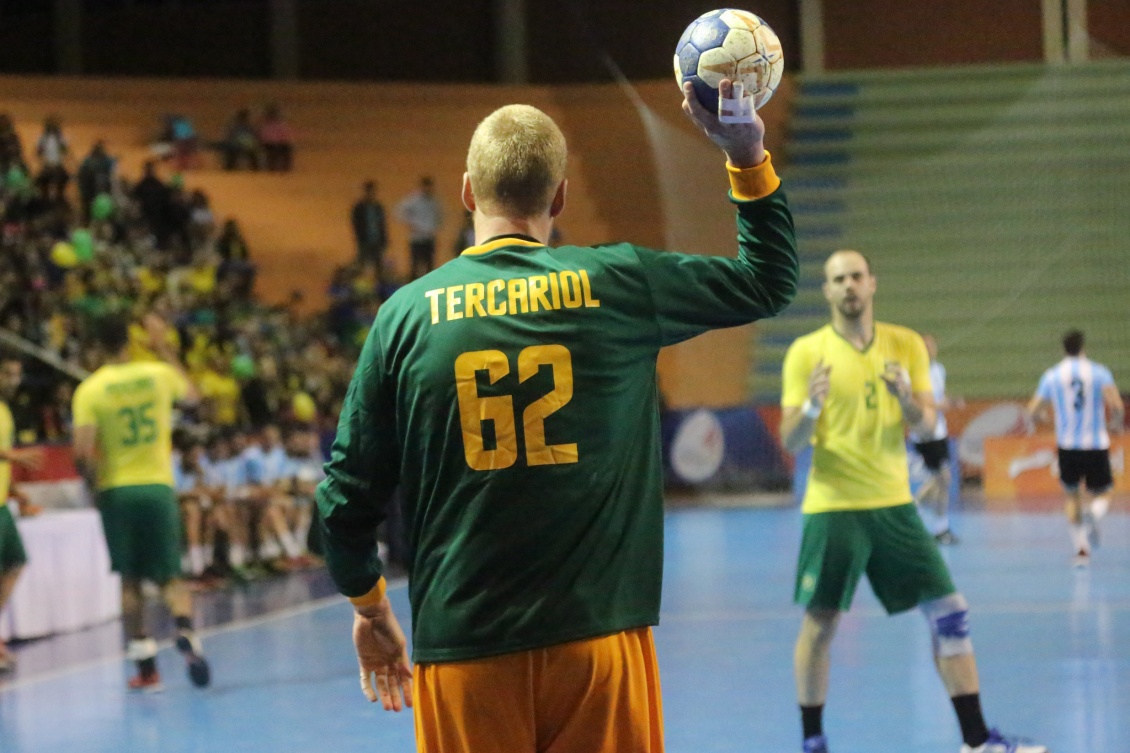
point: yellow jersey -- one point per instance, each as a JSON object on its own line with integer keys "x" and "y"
{"x": 139, "y": 347}
{"x": 131, "y": 407}
{"x": 859, "y": 446}
{"x": 223, "y": 392}
{"x": 7, "y": 432}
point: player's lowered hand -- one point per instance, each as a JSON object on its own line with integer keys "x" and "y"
{"x": 382, "y": 653}
{"x": 819, "y": 383}
{"x": 743, "y": 143}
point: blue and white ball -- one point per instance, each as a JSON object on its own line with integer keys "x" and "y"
{"x": 733, "y": 44}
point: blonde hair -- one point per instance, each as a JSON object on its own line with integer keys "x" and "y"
{"x": 516, "y": 161}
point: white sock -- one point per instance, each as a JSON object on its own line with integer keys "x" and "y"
{"x": 209, "y": 555}
{"x": 1099, "y": 507}
{"x": 238, "y": 555}
{"x": 289, "y": 545}
{"x": 196, "y": 559}
{"x": 1079, "y": 538}
{"x": 269, "y": 549}
{"x": 302, "y": 535}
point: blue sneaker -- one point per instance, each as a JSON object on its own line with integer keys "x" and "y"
{"x": 998, "y": 743}
{"x": 818, "y": 744}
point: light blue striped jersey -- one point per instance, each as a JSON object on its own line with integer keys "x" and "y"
{"x": 1074, "y": 387}
{"x": 938, "y": 382}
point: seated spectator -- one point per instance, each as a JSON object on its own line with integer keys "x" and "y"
{"x": 52, "y": 150}
{"x": 220, "y": 391}
{"x": 202, "y": 223}
{"x": 230, "y": 245}
{"x": 186, "y": 144}
{"x": 154, "y": 201}
{"x": 11, "y": 148}
{"x": 177, "y": 142}
{"x": 241, "y": 143}
{"x": 278, "y": 140}
{"x": 198, "y": 522}
{"x": 95, "y": 176}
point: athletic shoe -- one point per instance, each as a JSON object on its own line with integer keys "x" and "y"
{"x": 818, "y": 744}
{"x": 189, "y": 646}
{"x": 1082, "y": 559}
{"x": 998, "y": 743}
{"x": 947, "y": 538}
{"x": 142, "y": 683}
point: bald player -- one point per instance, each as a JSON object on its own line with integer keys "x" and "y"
{"x": 851, "y": 390}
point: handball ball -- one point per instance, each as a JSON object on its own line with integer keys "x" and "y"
{"x": 733, "y": 44}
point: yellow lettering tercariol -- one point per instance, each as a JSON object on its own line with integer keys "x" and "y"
{"x": 553, "y": 291}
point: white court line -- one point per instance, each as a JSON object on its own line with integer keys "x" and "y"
{"x": 230, "y": 627}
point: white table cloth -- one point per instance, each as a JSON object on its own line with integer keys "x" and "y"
{"x": 67, "y": 584}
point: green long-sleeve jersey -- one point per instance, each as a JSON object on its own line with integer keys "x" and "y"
{"x": 512, "y": 395}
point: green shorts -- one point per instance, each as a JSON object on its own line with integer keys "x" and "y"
{"x": 12, "y": 554}
{"x": 143, "y": 531}
{"x": 890, "y": 545}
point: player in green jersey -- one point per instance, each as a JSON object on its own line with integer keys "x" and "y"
{"x": 123, "y": 419}
{"x": 512, "y": 395}
{"x": 12, "y": 554}
{"x": 851, "y": 388}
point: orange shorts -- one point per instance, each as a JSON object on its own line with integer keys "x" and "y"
{"x": 594, "y": 696}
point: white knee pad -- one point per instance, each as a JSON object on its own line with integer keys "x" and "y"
{"x": 948, "y": 618}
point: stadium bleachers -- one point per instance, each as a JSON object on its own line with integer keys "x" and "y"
{"x": 297, "y": 224}
{"x": 991, "y": 201}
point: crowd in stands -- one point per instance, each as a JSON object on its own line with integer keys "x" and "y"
{"x": 151, "y": 250}
{"x": 248, "y": 143}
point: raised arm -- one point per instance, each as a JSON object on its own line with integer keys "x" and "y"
{"x": 694, "y": 293}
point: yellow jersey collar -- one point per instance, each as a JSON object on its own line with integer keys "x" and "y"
{"x": 502, "y": 241}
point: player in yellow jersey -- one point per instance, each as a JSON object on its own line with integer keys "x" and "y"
{"x": 851, "y": 389}
{"x": 12, "y": 554}
{"x": 123, "y": 416}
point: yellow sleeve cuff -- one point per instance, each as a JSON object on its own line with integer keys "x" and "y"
{"x": 751, "y": 183}
{"x": 375, "y": 596}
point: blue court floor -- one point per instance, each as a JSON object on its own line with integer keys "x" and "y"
{"x": 1053, "y": 645}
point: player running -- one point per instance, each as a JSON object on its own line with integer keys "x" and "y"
{"x": 934, "y": 448}
{"x": 1085, "y": 401}
{"x": 123, "y": 415}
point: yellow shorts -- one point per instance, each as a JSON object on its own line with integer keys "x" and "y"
{"x": 594, "y": 696}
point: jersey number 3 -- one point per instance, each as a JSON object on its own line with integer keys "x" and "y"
{"x": 1077, "y": 391}
{"x": 475, "y": 410}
